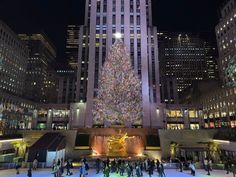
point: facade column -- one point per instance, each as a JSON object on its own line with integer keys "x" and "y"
{"x": 49, "y": 120}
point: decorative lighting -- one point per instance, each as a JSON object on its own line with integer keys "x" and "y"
{"x": 140, "y": 155}
{"x": 10, "y": 140}
{"x": 118, "y": 35}
{"x": 222, "y": 141}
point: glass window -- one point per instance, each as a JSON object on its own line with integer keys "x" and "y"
{"x": 174, "y": 113}
{"x": 192, "y": 114}
{"x": 194, "y": 126}
{"x": 175, "y": 126}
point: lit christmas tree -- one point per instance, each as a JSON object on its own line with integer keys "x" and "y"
{"x": 119, "y": 96}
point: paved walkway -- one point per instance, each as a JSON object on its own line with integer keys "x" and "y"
{"x": 169, "y": 173}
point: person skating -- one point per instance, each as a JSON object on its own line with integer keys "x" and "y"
{"x": 29, "y": 173}
{"x": 122, "y": 168}
{"x": 159, "y": 171}
{"x": 128, "y": 170}
{"x": 157, "y": 164}
{"x": 227, "y": 166}
{"x": 82, "y": 170}
{"x": 35, "y": 164}
{"x": 180, "y": 166}
{"x": 106, "y": 171}
{"x": 150, "y": 170}
{"x": 205, "y": 164}
{"x": 162, "y": 170}
{"x": 138, "y": 171}
{"x": 192, "y": 168}
{"x": 17, "y": 168}
{"x": 55, "y": 169}
{"x": 208, "y": 167}
{"x": 68, "y": 166}
{"x": 98, "y": 165}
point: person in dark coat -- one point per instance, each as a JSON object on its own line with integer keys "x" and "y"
{"x": 98, "y": 165}
{"x": 157, "y": 164}
{"x": 138, "y": 171}
{"x": 208, "y": 168}
{"x": 58, "y": 162}
{"x": 128, "y": 170}
{"x": 122, "y": 168}
{"x": 162, "y": 170}
{"x": 17, "y": 168}
{"x": 227, "y": 167}
{"x": 180, "y": 166}
{"x": 29, "y": 174}
{"x": 106, "y": 171}
{"x": 150, "y": 170}
{"x": 68, "y": 166}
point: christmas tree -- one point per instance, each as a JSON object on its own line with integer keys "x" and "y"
{"x": 119, "y": 96}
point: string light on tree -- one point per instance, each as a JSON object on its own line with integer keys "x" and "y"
{"x": 119, "y": 95}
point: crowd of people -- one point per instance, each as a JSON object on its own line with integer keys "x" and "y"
{"x": 124, "y": 168}
{"x": 59, "y": 166}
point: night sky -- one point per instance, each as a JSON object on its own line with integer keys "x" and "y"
{"x": 52, "y": 16}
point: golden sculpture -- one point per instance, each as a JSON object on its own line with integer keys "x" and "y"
{"x": 117, "y": 145}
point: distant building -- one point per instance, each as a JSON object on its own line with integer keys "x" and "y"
{"x": 211, "y": 54}
{"x": 219, "y": 108}
{"x": 13, "y": 61}
{"x": 216, "y": 102}
{"x": 226, "y": 40}
{"x": 72, "y": 42}
{"x": 184, "y": 60}
{"x": 41, "y": 78}
{"x": 66, "y": 86}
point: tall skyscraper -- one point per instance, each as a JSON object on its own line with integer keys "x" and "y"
{"x": 72, "y": 39}
{"x": 41, "y": 78}
{"x": 226, "y": 40}
{"x": 133, "y": 19}
{"x": 13, "y": 61}
{"x": 187, "y": 58}
{"x": 211, "y": 55}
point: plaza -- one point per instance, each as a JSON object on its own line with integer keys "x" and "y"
{"x": 169, "y": 173}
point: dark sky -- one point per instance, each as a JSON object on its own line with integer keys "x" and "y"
{"x": 52, "y": 16}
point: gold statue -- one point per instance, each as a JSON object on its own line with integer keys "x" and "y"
{"x": 117, "y": 144}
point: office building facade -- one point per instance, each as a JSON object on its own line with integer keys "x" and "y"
{"x": 133, "y": 19}
{"x": 226, "y": 40}
{"x": 41, "y": 81}
{"x": 13, "y": 61}
{"x": 187, "y": 58}
{"x": 66, "y": 86}
{"x": 72, "y": 40}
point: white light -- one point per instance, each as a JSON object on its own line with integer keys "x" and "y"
{"x": 118, "y": 35}
{"x": 10, "y": 140}
{"x": 221, "y": 141}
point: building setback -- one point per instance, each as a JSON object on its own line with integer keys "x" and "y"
{"x": 133, "y": 19}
